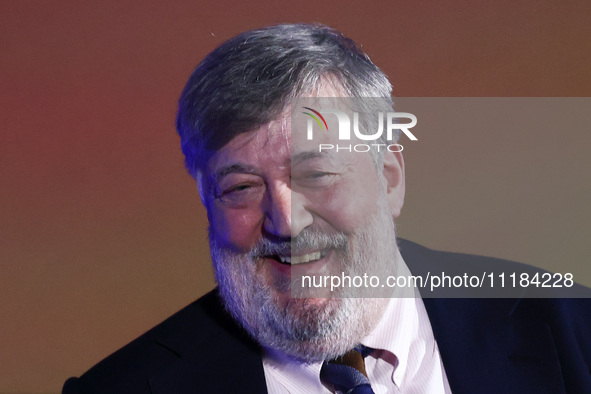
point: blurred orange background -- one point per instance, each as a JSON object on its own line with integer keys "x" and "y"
{"x": 101, "y": 232}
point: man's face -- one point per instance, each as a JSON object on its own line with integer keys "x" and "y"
{"x": 277, "y": 206}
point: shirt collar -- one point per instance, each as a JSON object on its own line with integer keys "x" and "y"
{"x": 393, "y": 335}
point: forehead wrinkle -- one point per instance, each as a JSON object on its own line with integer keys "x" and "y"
{"x": 272, "y": 138}
{"x": 311, "y": 155}
{"x": 270, "y": 133}
{"x": 280, "y": 128}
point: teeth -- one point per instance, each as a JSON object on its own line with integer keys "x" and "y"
{"x": 306, "y": 258}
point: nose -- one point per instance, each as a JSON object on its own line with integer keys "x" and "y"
{"x": 286, "y": 213}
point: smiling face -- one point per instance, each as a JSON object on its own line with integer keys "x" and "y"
{"x": 277, "y": 206}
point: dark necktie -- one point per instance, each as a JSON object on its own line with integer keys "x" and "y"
{"x": 347, "y": 373}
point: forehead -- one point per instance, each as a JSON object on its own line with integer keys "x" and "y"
{"x": 268, "y": 145}
{"x": 277, "y": 140}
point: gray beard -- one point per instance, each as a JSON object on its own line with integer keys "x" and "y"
{"x": 306, "y": 330}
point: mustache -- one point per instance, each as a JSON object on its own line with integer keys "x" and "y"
{"x": 305, "y": 241}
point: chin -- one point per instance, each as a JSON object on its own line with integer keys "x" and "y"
{"x": 315, "y": 329}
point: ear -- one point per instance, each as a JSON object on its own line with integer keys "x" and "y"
{"x": 395, "y": 186}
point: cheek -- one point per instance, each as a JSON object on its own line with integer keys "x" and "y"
{"x": 237, "y": 229}
{"x": 352, "y": 204}
{"x": 345, "y": 212}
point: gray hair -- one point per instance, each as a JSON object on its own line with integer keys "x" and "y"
{"x": 247, "y": 82}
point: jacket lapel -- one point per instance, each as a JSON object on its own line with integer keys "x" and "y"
{"x": 486, "y": 351}
{"x": 498, "y": 345}
{"x": 214, "y": 355}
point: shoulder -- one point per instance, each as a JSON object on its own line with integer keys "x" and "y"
{"x": 564, "y": 310}
{"x": 521, "y": 327}
{"x": 187, "y": 348}
{"x": 485, "y": 277}
{"x": 421, "y": 258}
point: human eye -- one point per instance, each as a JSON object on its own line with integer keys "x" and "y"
{"x": 314, "y": 178}
{"x": 238, "y": 190}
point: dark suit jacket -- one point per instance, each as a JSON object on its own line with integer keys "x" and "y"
{"x": 509, "y": 345}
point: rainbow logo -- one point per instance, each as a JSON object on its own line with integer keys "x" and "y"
{"x": 315, "y": 118}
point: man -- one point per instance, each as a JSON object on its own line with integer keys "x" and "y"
{"x": 281, "y": 209}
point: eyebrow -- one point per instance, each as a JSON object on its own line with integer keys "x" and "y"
{"x": 239, "y": 168}
{"x": 232, "y": 169}
{"x": 300, "y": 157}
